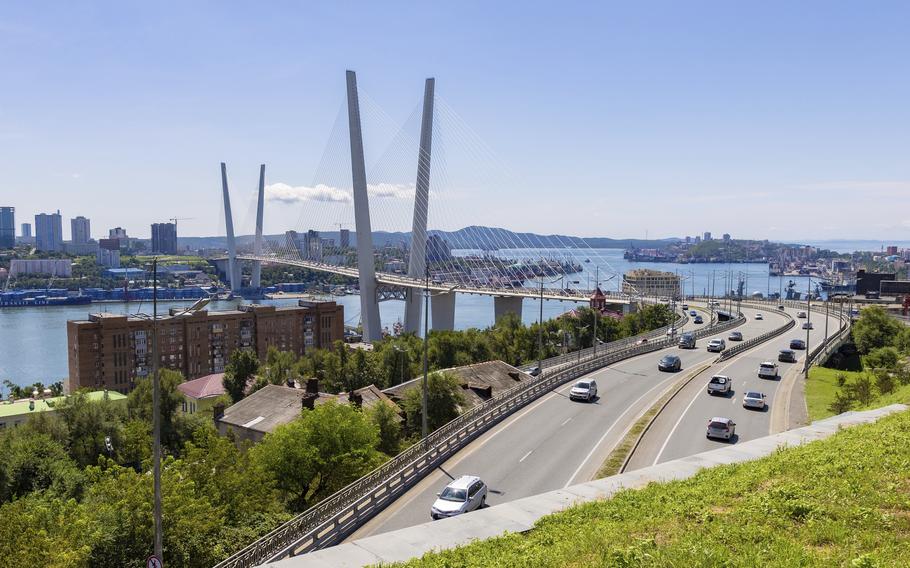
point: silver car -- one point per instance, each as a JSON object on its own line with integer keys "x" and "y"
{"x": 466, "y": 493}
{"x": 754, "y": 399}
{"x": 584, "y": 390}
{"x": 719, "y": 427}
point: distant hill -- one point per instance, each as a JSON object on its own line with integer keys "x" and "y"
{"x": 476, "y": 237}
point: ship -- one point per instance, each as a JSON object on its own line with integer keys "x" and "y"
{"x": 28, "y": 298}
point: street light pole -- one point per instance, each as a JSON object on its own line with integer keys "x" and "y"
{"x": 540, "y": 331}
{"x": 426, "y": 361}
{"x": 808, "y": 320}
{"x": 156, "y": 417}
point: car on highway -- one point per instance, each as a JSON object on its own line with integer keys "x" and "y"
{"x": 808, "y": 325}
{"x": 685, "y": 307}
{"x": 669, "y": 363}
{"x": 719, "y": 384}
{"x": 758, "y": 316}
{"x": 797, "y": 344}
{"x": 687, "y": 340}
{"x": 534, "y": 371}
{"x": 735, "y": 336}
{"x": 801, "y": 314}
{"x": 781, "y": 307}
{"x": 671, "y": 332}
{"x": 720, "y": 427}
{"x": 464, "y": 494}
{"x": 754, "y": 399}
{"x": 716, "y": 345}
{"x": 767, "y": 370}
{"x": 584, "y": 390}
{"x": 786, "y": 356}
{"x": 693, "y": 313}
{"x": 698, "y": 319}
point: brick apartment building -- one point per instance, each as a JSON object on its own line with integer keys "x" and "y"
{"x": 111, "y": 351}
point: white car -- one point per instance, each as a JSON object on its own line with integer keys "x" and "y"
{"x": 584, "y": 390}
{"x": 754, "y": 399}
{"x": 716, "y": 345}
{"x": 719, "y": 384}
{"x": 801, "y": 314}
{"x": 808, "y": 325}
{"x": 720, "y": 427}
{"x": 767, "y": 370}
{"x": 758, "y": 316}
{"x": 466, "y": 493}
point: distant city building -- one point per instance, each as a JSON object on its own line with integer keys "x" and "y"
{"x": 59, "y": 267}
{"x": 49, "y": 232}
{"x": 81, "y": 230}
{"x": 344, "y": 237}
{"x": 688, "y": 240}
{"x": 117, "y": 233}
{"x": 707, "y": 236}
{"x": 438, "y": 250}
{"x": 113, "y": 350}
{"x": 81, "y": 249}
{"x": 109, "y": 253}
{"x": 646, "y": 282}
{"x": 726, "y": 236}
{"x": 7, "y": 227}
{"x": 164, "y": 238}
{"x": 26, "y": 230}
{"x": 395, "y": 266}
{"x": 892, "y": 250}
{"x": 697, "y": 239}
{"x": 312, "y": 245}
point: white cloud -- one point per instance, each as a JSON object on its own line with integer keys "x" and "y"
{"x": 324, "y": 193}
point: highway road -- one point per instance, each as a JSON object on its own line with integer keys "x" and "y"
{"x": 679, "y": 430}
{"x": 555, "y": 442}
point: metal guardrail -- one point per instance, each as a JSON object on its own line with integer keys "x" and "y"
{"x": 750, "y": 343}
{"x": 332, "y": 519}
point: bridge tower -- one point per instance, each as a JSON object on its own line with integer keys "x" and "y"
{"x": 369, "y": 303}
{"x": 256, "y": 280}
{"x": 233, "y": 272}
{"x": 417, "y": 265}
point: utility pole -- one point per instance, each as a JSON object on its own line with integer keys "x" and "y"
{"x": 597, "y": 308}
{"x": 808, "y": 326}
{"x": 156, "y": 416}
{"x": 540, "y": 332}
{"x": 426, "y": 346}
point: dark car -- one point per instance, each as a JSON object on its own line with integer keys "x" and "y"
{"x": 698, "y": 319}
{"x": 786, "y": 356}
{"x": 669, "y": 363}
{"x": 735, "y": 336}
{"x": 797, "y": 344}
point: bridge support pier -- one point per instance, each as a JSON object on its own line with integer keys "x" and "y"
{"x": 233, "y": 272}
{"x": 369, "y": 303}
{"x": 503, "y": 305}
{"x": 442, "y": 306}
{"x": 256, "y": 280}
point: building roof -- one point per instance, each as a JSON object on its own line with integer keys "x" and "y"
{"x": 369, "y": 395}
{"x": 480, "y": 381}
{"x": 269, "y": 407}
{"x": 209, "y": 386}
{"x": 21, "y": 406}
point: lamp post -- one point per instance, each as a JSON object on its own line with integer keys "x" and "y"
{"x": 156, "y": 417}
{"x": 424, "y": 428}
{"x": 402, "y": 352}
{"x": 808, "y": 324}
{"x": 540, "y": 323}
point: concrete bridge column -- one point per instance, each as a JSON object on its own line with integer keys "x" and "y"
{"x": 256, "y": 280}
{"x": 442, "y": 306}
{"x": 233, "y": 272}
{"x": 503, "y": 305}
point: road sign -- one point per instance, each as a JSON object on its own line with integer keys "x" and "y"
{"x": 153, "y": 562}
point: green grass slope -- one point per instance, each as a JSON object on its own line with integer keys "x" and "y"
{"x": 844, "y": 501}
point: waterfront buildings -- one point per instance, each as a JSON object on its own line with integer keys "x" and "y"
{"x": 26, "y": 230}
{"x": 59, "y": 267}
{"x": 7, "y": 227}
{"x": 49, "y": 232}
{"x": 112, "y": 351}
{"x": 109, "y": 253}
{"x": 80, "y": 230}
{"x": 164, "y": 238}
{"x": 645, "y": 282}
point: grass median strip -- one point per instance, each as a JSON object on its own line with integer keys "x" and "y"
{"x": 623, "y": 451}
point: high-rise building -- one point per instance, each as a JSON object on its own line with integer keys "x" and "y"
{"x": 707, "y": 236}
{"x": 726, "y": 236}
{"x": 164, "y": 238}
{"x": 117, "y": 233}
{"x": 438, "y": 250}
{"x": 345, "y": 237}
{"x": 7, "y": 227}
{"x": 109, "y": 253}
{"x": 49, "y": 231}
{"x": 112, "y": 350}
{"x": 312, "y": 245}
{"x": 26, "y": 230}
{"x": 81, "y": 230}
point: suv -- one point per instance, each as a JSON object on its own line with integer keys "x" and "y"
{"x": 786, "y": 356}
{"x": 685, "y": 307}
{"x": 687, "y": 340}
{"x": 801, "y": 314}
{"x": 584, "y": 390}
{"x": 735, "y": 336}
{"x": 719, "y": 427}
{"x": 797, "y": 344}
{"x": 716, "y": 345}
{"x": 669, "y": 363}
{"x": 719, "y": 384}
{"x": 767, "y": 370}
{"x": 464, "y": 494}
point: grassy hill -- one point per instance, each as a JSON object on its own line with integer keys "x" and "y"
{"x": 843, "y": 501}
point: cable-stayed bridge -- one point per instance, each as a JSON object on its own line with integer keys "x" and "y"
{"x": 507, "y": 266}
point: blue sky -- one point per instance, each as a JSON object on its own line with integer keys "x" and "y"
{"x": 773, "y": 120}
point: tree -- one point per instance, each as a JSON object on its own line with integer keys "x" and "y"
{"x": 388, "y": 424}
{"x": 319, "y": 453}
{"x": 139, "y": 405}
{"x": 882, "y": 358}
{"x": 841, "y": 403}
{"x": 242, "y": 365}
{"x": 861, "y": 390}
{"x": 874, "y": 329}
{"x": 92, "y": 427}
{"x": 32, "y": 462}
{"x": 444, "y": 401}
{"x": 40, "y": 530}
{"x": 279, "y": 366}
{"x": 884, "y": 381}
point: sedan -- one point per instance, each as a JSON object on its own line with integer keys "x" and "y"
{"x": 797, "y": 344}
{"x": 735, "y": 336}
{"x": 720, "y": 427}
{"x": 758, "y": 316}
{"x": 786, "y": 356}
{"x": 685, "y": 307}
{"x": 584, "y": 390}
{"x": 693, "y": 313}
{"x": 464, "y": 494}
{"x": 754, "y": 399}
{"x": 808, "y": 325}
{"x": 669, "y": 363}
{"x": 716, "y": 345}
{"x": 801, "y": 314}
{"x": 698, "y": 319}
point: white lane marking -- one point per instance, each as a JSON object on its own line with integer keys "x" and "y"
{"x": 526, "y": 456}
{"x": 566, "y": 421}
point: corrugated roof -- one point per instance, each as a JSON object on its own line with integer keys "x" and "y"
{"x": 208, "y": 386}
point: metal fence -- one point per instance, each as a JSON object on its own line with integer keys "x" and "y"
{"x": 334, "y": 518}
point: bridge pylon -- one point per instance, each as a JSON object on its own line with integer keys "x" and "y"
{"x": 233, "y": 272}
{"x": 418, "y": 261}
{"x": 256, "y": 280}
{"x": 366, "y": 269}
